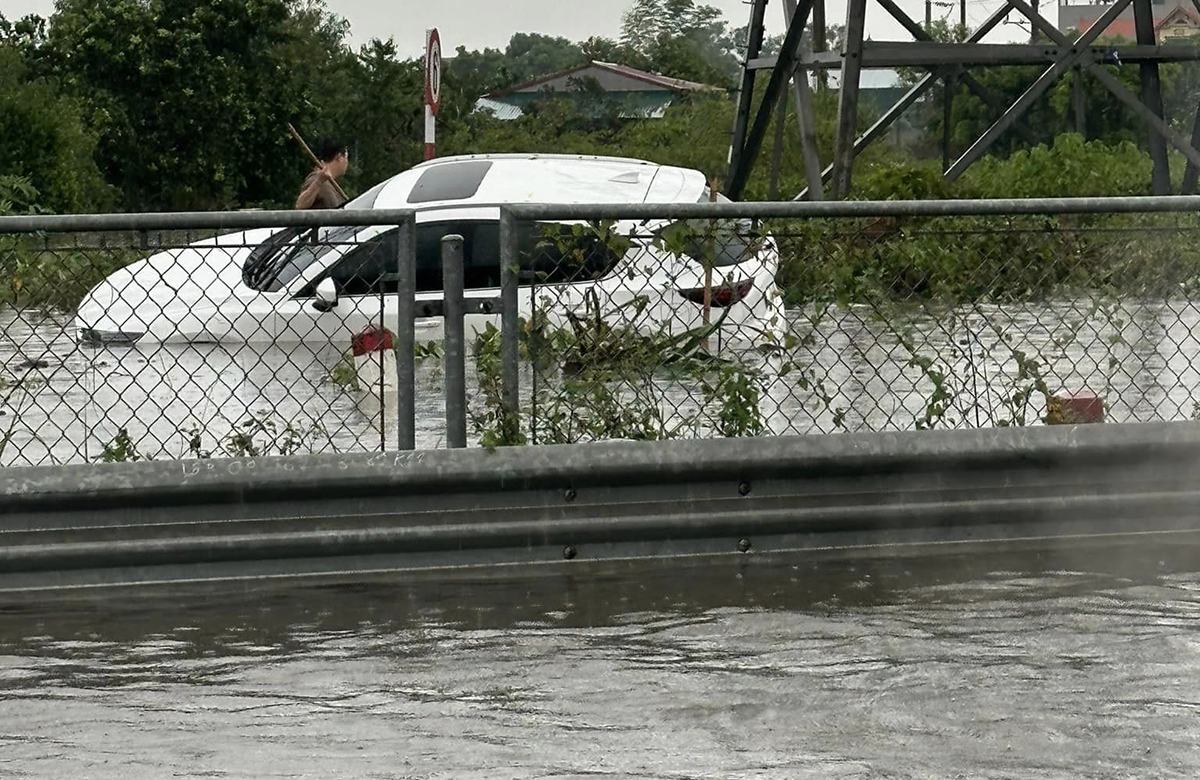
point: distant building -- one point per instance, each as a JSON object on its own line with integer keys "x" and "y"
{"x": 878, "y": 90}
{"x": 1172, "y": 19}
{"x": 636, "y": 94}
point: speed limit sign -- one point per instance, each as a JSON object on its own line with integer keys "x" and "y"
{"x": 433, "y": 70}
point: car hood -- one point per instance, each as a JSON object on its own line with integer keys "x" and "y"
{"x": 201, "y": 275}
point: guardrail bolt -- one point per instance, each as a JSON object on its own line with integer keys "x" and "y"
{"x": 569, "y": 495}
{"x": 743, "y": 545}
{"x": 569, "y": 552}
{"x": 743, "y": 488}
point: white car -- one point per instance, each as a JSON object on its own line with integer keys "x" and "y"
{"x": 261, "y": 285}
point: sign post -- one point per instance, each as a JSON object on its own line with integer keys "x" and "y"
{"x": 433, "y": 88}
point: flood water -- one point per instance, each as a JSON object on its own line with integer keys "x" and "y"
{"x": 1043, "y": 664}
{"x": 854, "y": 370}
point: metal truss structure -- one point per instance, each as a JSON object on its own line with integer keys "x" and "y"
{"x": 950, "y": 63}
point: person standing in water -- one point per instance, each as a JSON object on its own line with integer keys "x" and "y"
{"x": 320, "y": 189}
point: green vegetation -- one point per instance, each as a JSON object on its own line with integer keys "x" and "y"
{"x": 46, "y": 143}
{"x": 156, "y": 105}
{"x": 260, "y": 434}
{"x": 594, "y": 382}
{"x": 184, "y": 105}
{"x": 42, "y": 275}
{"x": 962, "y": 259}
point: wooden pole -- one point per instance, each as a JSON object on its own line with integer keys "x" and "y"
{"x": 315, "y": 160}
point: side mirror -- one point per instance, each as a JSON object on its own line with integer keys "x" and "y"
{"x": 327, "y": 296}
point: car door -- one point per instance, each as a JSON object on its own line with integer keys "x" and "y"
{"x": 363, "y": 273}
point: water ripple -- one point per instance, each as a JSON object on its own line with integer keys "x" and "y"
{"x": 938, "y": 668}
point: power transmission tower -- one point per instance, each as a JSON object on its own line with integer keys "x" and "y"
{"x": 949, "y": 63}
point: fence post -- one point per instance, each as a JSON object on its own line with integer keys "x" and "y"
{"x": 456, "y": 366}
{"x": 509, "y": 321}
{"x": 406, "y": 335}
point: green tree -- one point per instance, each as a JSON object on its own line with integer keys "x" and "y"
{"x": 527, "y": 56}
{"x": 379, "y": 110}
{"x": 45, "y": 142}
{"x": 25, "y": 35}
{"x": 682, "y": 39}
{"x": 190, "y": 98}
{"x": 608, "y": 50}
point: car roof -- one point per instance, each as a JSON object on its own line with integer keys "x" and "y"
{"x": 493, "y": 179}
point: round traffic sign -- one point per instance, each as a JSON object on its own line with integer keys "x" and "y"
{"x": 433, "y": 70}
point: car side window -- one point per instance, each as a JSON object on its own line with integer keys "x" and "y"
{"x": 481, "y": 253}
{"x": 363, "y": 269}
{"x": 550, "y": 254}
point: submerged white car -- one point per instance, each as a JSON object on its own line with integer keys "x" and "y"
{"x": 262, "y": 285}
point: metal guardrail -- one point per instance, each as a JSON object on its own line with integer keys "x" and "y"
{"x": 200, "y": 220}
{"x": 344, "y": 516}
{"x": 848, "y": 208}
{"x": 247, "y": 220}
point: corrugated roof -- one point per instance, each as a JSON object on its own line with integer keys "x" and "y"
{"x": 647, "y": 108}
{"x": 657, "y": 79}
{"x": 498, "y": 109}
{"x": 653, "y": 79}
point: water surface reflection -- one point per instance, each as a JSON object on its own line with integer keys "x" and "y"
{"x": 1030, "y": 666}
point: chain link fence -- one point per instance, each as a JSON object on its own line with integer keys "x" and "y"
{"x": 743, "y": 326}
{"x": 178, "y": 336}
{"x": 178, "y": 342}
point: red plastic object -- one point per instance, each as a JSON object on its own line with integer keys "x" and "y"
{"x": 1071, "y": 407}
{"x": 372, "y": 339}
{"x": 721, "y": 295}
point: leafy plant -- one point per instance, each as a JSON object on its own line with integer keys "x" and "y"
{"x": 121, "y": 449}
{"x": 263, "y": 433}
{"x": 344, "y": 374}
{"x": 493, "y": 421}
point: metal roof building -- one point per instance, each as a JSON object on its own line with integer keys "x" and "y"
{"x": 637, "y": 94}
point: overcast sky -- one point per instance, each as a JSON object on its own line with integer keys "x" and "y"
{"x": 486, "y": 23}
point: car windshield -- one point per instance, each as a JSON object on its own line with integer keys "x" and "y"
{"x": 550, "y": 253}
{"x": 287, "y": 253}
{"x": 367, "y": 199}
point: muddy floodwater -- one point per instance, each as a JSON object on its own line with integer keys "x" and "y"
{"x": 851, "y": 369}
{"x": 1046, "y": 664}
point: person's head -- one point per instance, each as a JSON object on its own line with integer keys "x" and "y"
{"x": 334, "y": 155}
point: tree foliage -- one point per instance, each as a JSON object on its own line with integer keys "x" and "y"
{"x": 683, "y": 38}
{"x": 527, "y": 56}
{"x": 184, "y": 104}
{"x": 188, "y": 97}
{"x": 44, "y": 141}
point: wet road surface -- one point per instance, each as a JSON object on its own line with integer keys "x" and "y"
{"x": 933, "y": 666}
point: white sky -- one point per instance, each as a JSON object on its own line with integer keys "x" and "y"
{"x": 486, "y": 23}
